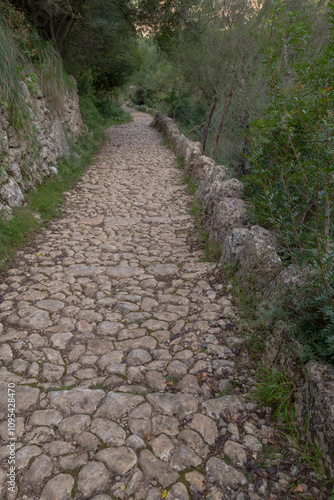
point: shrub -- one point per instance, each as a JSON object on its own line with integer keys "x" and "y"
{"x": 292, "y": 170}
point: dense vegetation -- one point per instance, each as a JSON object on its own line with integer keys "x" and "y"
{"x": 265, "y": 67}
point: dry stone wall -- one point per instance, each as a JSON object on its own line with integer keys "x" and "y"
{"x": 252, "y": 251}
{"x": 27, "y": 157}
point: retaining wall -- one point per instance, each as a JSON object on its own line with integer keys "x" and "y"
{"x": 27, "y": 157}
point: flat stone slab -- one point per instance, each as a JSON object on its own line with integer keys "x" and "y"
{"x": 36, "y": 319}
{"x": 179, "y": 405}
{"x": 117, "y": 405}
{"x": 224, "y": 474}
{"x": 119, "y": 460}
{"x": 109, "y": 432}
{"x": 226, "y": 405}
{"x": 25, "y": 398}
{"x": 162, "y": 269}
{"x": 153, "y": 468}
{"x": 83, "y": 270}
{"x": 76, "y": 400}
{"x": 123, "y": 271}
{"x": 59, "y": 488}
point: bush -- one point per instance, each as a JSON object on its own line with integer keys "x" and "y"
{"x": 292, "y": 171}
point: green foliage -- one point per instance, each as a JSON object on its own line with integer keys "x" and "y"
{"x": 165, "y": 19}
{"x": 25, "y": 56}
{"x": 314, "y": 324}
{"x": 291, "y": 182}
{"x": 10, "y": 60}
{"x": 52, "y": 78}
{"x": 103, "y": 44}
{"x": 160, "y": 84}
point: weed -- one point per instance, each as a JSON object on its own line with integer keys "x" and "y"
{"x": 173, "y": 380}
{"x": 274, "y": 389}
{"x": 269, "y": 456}
{"x": 141, "y": 393}
{"x": 166, "y": 142}
{"x": 62, "y": 388}
{"x": 311, "y": 454}
{"x": 228, "y": 460}
{"x": 191, "y": 183}
{"x": 98, "y": 385}
{"x": 179, "y": 162}
{"x": 196, "y": 208}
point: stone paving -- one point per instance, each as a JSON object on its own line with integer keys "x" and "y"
{"x": 122, "y": 347}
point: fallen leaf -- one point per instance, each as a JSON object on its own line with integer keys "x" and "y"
{"x": 122, "y": 487}
{"x": 164, "y": 494}
{"x": 298, "y": 489}
{"x": 148, "y": 436}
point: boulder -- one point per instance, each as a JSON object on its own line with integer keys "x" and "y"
{"x": 252, "y": 252}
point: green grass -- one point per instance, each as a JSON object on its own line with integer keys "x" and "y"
{"x": 211, "y": 248}
{"x": 46, "y": 201}
{"x": 196, "y": 208}
{"x": 11, "y": 58}
{"x": 275, "y": 390}
{"x": 191, "y": 183}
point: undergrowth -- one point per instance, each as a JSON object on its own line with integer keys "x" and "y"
{"x": 274, "y": 389}
{"x": 26, "y": 57}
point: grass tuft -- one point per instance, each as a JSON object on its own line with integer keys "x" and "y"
{"x": 275, "y": 390}
{"x": 11, "y": 58}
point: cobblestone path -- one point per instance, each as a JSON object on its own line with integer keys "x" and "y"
{"x": 121, "y": 345}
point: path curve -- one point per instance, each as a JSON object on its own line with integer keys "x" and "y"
{"x": 121, "y": 345}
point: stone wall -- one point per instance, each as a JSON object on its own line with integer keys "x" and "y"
{"x": 27, "y": 156}
{"x": 252, "y": 251}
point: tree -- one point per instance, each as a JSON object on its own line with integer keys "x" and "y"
{"x": 53, "y": 18}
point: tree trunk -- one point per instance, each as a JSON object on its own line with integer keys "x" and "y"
{"x": 207, "y": 124}
{"x": 221, "y": 122}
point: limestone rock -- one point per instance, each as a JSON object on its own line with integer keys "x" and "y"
{"x": 153, "y": 468}
{"x": 116, "y": 404}
{"x": 162, "y": 447}
{"x": 235, "y": 452}
{"x": 206, "y": 427}
{"x": 74, "y": 425}
{"x": 224, "y": 474}
{"x": 40, "y": 469}
{"x": 253, "y": 252}
{"x": 183, "y": 458}
{"x": 178, "y": 492}
{"x": 92, "y": 478}
{"x": 180, "y": 405}
{"x": 59, "y": 488}
{"x": 119, "y": 460}
{"x": 109, "y": 432}
{"x": 76, "y": 400}
{"x": 226, "y": 405}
